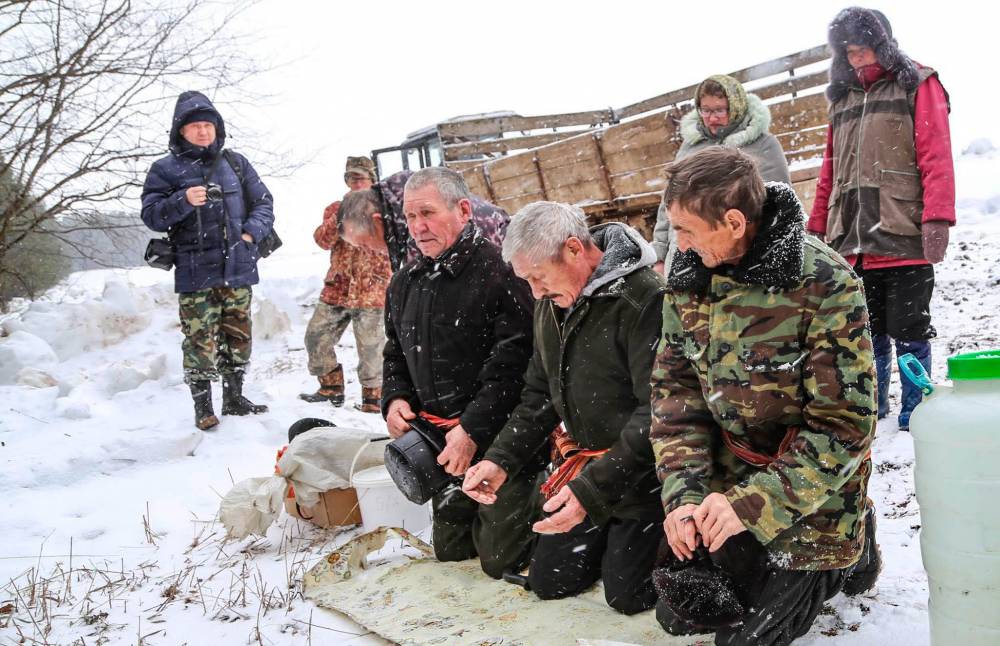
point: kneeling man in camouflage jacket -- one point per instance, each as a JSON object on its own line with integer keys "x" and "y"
{"x": 763, "y": 411}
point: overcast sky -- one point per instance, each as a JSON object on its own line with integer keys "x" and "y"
{"x": 362, "y": 75}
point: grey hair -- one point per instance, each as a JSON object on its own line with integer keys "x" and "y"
{"x": 357, "y": 209}
{"x": 538, "y": 231}
{"x": 449, "y": 183}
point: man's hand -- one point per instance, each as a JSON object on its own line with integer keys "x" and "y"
{"x": 571, "y": 514}
{"x": 681, "y": 531}
{"x": 716, "y": 521}
{"x": 397, "y": 420}
{"x": 483, "y": 480}
{"x": 247, "y": 237}
{"x": 459, "y": 450}
{"x": 196, "y": 195}
{"x": 658, "y": 267}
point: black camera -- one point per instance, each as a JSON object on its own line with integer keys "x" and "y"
{"x": 213, "y": 192}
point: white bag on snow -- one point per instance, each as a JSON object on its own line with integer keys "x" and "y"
{"x": 252, "y": 505}
{"x": 316, "y": 461}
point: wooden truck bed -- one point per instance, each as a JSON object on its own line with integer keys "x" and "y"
{"x": 615, "y": 172}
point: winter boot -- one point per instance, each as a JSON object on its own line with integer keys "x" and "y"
{"x": 331, "y": 388}
{"x": 912, "y": 395}
{"x": 371, "y": 400}
{"x": 882, "y": 345}
{"x": 866, "y": 570}
{"x": 233, "y": 401}
{"x": 204, "y": 416}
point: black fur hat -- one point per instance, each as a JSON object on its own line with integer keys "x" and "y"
{"x": 869, "y": 27}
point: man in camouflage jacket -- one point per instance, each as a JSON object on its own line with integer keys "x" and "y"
{"x": 353, "y": 293}
{"x": 763, "y": 408}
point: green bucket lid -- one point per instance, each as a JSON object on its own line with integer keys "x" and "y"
{"x": 975, "y": 365}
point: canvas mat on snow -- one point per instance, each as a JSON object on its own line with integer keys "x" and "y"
{"x": 421, "y": 601}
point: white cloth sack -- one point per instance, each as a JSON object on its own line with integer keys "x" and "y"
{"x": 316, "y": 461}
{"x": 252, "y": 505}
{"x": 321, "y": 459}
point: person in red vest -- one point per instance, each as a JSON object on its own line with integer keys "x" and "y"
{"x": 886, "y": 192}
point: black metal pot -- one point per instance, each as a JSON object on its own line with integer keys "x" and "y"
{"x": 306, "y": 424}
{"x": 412, "y": 462}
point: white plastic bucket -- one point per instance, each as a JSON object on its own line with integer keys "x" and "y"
{"x": 382, "y": 504}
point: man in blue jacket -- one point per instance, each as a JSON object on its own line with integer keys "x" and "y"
{"x": 215, "y": 211}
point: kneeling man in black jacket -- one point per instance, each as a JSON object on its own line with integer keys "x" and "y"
{"x": 458, "y": 328}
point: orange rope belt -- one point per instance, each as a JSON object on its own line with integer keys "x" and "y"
{"x": 743, "y": 451}
{"x": 573, "y": 457}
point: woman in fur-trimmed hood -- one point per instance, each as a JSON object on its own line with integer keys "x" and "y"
{"x": 725, "y": 114}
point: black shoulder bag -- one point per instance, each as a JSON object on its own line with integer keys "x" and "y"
{"x": 160, "y": 253}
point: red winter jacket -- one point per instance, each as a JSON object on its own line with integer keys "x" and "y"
{"x": 932, "y": 140}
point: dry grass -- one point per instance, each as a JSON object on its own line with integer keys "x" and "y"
{"x": 86, "y": 602}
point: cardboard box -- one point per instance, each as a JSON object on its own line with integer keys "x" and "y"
{"x": 336, "y": 508}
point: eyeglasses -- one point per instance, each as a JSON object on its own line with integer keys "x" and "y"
{"x": 718, "y": 112}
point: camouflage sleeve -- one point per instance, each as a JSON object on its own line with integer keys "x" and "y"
{"x": 491, "y": 220}
{"x": 682, "y": 425}
{"x": 839, "y": 414}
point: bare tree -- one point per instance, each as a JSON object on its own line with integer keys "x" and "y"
{"x": 84, "y": 86}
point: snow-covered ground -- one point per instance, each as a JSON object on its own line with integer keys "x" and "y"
{"x": 109, "y": 494}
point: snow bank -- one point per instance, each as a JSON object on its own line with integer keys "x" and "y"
{"x": 21, "y": 351}
{"x": 72, "y": 329}
{"x": 980, "y": 147}
{"x": 269, "y": 322}
{"x": 126, "y": 375}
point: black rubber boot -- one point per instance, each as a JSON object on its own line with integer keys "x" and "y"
{"x": 868, "y": 567}
{"x": 204, "y": 415}
{"x": 233, "y": 401}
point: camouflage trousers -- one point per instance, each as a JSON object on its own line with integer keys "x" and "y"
{"x": 328, "y": 324}
{"x": 216, "y": 327}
